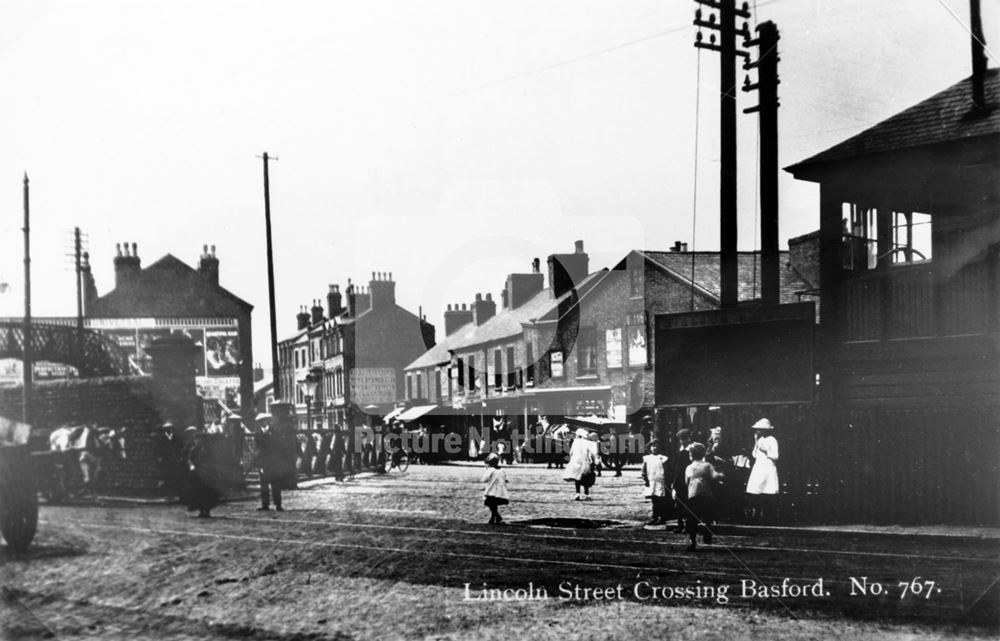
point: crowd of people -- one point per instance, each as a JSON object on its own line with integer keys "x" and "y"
{"x": 688, "y": 482}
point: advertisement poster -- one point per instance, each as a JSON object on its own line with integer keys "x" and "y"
{"x": 222, "y": 352}
{"x": 373, "y": 385}
{"x": 145, "y": 338}
{"x": 636, "y": 345}
{"x": 197, "y": 336}
{"x": 613, "y": 346}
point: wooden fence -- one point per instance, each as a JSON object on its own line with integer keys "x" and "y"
{"x": 877, "y": 465}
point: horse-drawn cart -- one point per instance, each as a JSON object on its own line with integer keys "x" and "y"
{"x": 18, "y": 496}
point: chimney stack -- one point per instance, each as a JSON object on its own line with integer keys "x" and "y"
{"x": 127, "y": 266}
{"x": 978, "y": 55}
{"x": 483, "y": 310}
{"x": 566, "y": 271}
{"x": 89, "y": 287}
{"x": 302, "y": 318}
{"x": 383, "y": 290}
{"x": 521, "y": 287}
{"x": 208, "y": 266}
{"x": 334, "y": 302}
{"x": 317, "y": 312}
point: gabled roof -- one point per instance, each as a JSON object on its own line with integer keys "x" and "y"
{"x": 506, "y": 323}
{"x": 947, "y": 116}
{"x": 707, "y": 273}
{"x": 168, "y": 287}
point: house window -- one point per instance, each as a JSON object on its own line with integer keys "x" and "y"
{"x": 511, "y": 370}
{"x": 438, "y": 384}
{"x": 497, "y": 369}
{"x": 461, "y": 374}
{"x": 586, "y": 353}
{"x": 420, "y": 385}
{"x": 297, "y": 359}
{"x": 635, "y": 280}
{"x": 409, "y": 386}
{"x": 911, "y": 237}
{"x": 613, "y": 347}
{"x": 472, "y": 373}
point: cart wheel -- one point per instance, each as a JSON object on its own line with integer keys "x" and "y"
{"x": 404, "y": 463}
{"x": 18, "y": 504}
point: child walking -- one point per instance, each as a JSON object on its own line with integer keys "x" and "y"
{"x": 700, "y": 477}
{"x": 495, "y": 493}
{"x": 655, "y": 478}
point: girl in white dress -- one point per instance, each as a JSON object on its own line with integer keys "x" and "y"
{"x": 763, "y": 482}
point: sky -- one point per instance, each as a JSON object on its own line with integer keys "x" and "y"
{"x": 448, "y": 141}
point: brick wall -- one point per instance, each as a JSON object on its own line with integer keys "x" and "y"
{"x": 107, "y": 402}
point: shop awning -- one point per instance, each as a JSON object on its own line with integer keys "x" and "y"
{"x": 578, "y": 391}
{"x": 417, "y": 411}
{"x": 393, "y": 414}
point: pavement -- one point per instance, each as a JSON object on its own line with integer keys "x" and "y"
{"x": 925, "y": 532}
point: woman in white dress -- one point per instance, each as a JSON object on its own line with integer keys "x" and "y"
{"x": 762, "y": 486}
{"x": 580, "y": 469}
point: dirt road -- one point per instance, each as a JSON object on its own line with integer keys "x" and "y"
{"x": 408, "y": 556}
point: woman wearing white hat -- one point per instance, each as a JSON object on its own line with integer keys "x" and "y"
{"x": 763, "y": 482}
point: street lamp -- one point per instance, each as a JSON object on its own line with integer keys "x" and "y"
{"x": 308, "y": 386}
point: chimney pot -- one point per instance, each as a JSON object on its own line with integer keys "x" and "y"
{"x": 135, "y": 251}
{"x": 578, "y": 247}
{"x": 204, "y": 250}
{"x": 118, "y": 246}
{"x": 479, "y": 297}
{"x": 536, "y": 266}
{"x": 489, "y": 296}
{"x": 213, "y": 250}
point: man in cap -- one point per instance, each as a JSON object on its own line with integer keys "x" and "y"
{"x": 680, "y": 458}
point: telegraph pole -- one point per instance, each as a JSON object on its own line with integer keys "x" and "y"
{"x": 275, "y": 381}
{"x": 28, "y": 356}
{"x": 767, "y": 111}
{"x": 726, "y": 26}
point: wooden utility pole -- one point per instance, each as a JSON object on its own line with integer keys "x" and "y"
{"x": 726, "y": 26}
{"x": 275, "y": 380}
{"x": 27, "y": 352}
{"x": 767, "y": 112}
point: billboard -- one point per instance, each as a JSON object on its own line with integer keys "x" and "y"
{"x": 373, "y": 385}
{"x": 738, "y": 356}
{"x": 222, "y": 352}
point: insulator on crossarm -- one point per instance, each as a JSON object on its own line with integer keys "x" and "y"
{"x": 697, "y": 14}
{"x": 746, "y": 80}
{"x": 746, "y": 26}
{"x": 746, "y": 7}
{"x": 697, "y": 36}
{"x": 711, "y": 18}
{"x": 711, "y": 38}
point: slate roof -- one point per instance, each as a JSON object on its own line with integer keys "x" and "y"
{"x": 168, "y": 287}
{"x": 707, "y": 273}
{"x": 505, "y": 324}
{"x": 944, "y": 117}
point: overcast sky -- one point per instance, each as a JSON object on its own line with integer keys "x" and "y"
{"x": 446, "y": 141}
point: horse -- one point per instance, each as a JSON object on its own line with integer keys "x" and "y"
{"x": 85, "y": 446}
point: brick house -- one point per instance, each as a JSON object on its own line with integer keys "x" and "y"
{"x": 356, "y": 353}
{"x": 170, "y": 297}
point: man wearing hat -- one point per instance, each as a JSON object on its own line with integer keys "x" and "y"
{"x": 763, "y": 483}
{"x": 680, "y": 458}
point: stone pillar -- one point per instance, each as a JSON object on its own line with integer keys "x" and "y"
{"x": 173, "y": 386}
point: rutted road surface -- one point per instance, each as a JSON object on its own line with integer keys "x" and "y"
{"x": 390, "y": 557}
